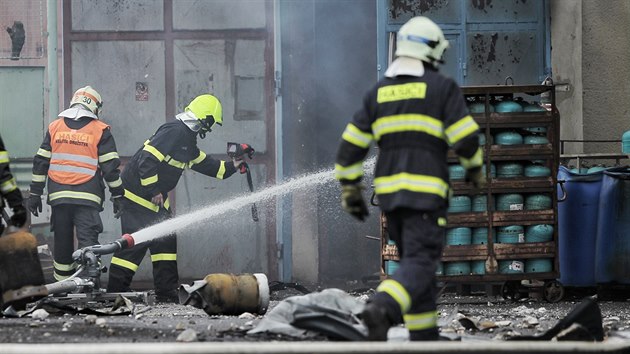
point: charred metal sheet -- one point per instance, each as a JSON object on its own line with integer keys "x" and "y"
{"x": 439, "y": 10}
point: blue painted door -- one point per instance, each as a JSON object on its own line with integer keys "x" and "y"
{"x": 489, "y": 40}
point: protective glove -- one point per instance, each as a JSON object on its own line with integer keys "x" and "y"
{"x": 34, "y": 204}
{"x": 476, "y": 176}
{"x": 240, "y": 165}
{"x": 352, "y": 201}
{"x": 18, "y": 219}
{"x": 119, "y": 208}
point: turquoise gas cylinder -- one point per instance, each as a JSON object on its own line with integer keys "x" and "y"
{"x": 480, "y": 203}
{"x": 480, "y": 236}
{"x": 509, "y": 170}
{"x": 535, "y": 139}
{"x": 482, "y": 139}
{"x": 511, "y": 267}
{"x": 391, "y": 267}
{"x": 511, "y": 234}
{"x": 457, "y": 268}
{"x": 478, "y": 267}
{"x": 458, "y": 236}
{"x": 625, "y": 142}
{"x": 508, "y": 138}
{"x": 539, "y": 233}
{"x": 456, "y": 172}
{"x": 535, "y": 107}
{"x": 538, "y": 202}
{"x": 537, "y": 171}
{"x": 538, "y": 265}
{"x": 493, "y": 170}
{"x": 510, "y": 202}
{"x": 508, "y": 106}
{"x": 479, "y": 107}
{"x": 459, "y": 204}
{"x": 440, "y": 269}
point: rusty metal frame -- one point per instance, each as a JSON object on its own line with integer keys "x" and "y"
{"x": 168, "y": 35}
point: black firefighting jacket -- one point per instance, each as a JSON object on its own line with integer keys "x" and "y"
{"x": 8, "y": 185}
{"x": 157, "y": 166}
{"x": 90, "y": 193}
{"x": 414, "y": 121}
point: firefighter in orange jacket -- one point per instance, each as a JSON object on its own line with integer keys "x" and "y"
{"x": 77, "y": 154}
{"x": 414, "y": 114}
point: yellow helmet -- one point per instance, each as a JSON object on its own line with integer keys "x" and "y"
{"x": 422, "y": 39}
{"x": 207, "y": 109}
{"x": 87, "y": 97}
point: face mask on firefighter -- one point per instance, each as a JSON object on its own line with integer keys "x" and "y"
{"x": 206, "y": 126}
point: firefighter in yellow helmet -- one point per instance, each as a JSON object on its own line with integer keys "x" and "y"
{"x": 414, "y": 114}
{"x": 152, "y": 172}
{"x": 77, "y": 154}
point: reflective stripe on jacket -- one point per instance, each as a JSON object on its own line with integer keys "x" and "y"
{"x": 74, "y": 157}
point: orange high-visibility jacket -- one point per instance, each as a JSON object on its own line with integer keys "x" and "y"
{"x": 74, "y": 158}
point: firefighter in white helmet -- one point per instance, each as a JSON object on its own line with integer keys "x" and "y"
{"x": 414, "y": 114}
{"x": 77, "y": 154}
{"x": 153, "y": 171}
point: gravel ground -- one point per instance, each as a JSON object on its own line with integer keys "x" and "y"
{"x": 173, "y": 323}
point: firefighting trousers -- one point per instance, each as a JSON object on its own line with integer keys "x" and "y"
{"x": 65, "y": 219}
{"x": 163, "y": 254}
{"x": 410, "y": 295}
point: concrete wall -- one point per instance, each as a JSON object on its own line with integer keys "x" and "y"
{"x": 590, "y": 48}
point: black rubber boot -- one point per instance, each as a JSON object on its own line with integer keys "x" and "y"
{"x": 424, "y": 335}
{"x": 377, "y": 322}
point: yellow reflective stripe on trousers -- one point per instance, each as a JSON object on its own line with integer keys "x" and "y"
{"x": 153, "y": 151}
{"x": 411, "y": 182}
{"x": 149, "y": 180}
{"x": 411, "y": 122}
{"x": 139, "y": 200}
{"x": 349, "y": 172}
{"x": 221, "y": 172}
{"x": 74, "y": 195}
{"x": 475, "y": 161}
{"x": 38, "y": 178}
{"x": 8, "y": 186}
{"x": 356, "y": 136}
{"x": 163, "y": 257}
{"x": 44, "y": 153}
{"x": 4, "y": 157}
{"x": 107, "y": 157}
{"x": 124, "y": 263}
{"x": 461, "y": 129}
{"x": 421, "y": 321}
{"x": 59, "y": 277}
{"x": 391, "y": 93}
{"x": 397, "y": 292}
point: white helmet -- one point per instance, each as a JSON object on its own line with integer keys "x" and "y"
{"x": 89, "y": 98}
{"x": 422, "y": 39}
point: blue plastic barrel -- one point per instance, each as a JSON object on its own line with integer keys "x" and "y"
{"x": 577, "y": 226}
{"x": 612, "y": 256}
{"x": 457, "y": 268}
{"x": 457, "y": 236}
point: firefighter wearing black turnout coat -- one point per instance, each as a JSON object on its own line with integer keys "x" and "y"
{"x": 9, "y": 191}
{"x": 152, "y": 172}
{"x": 414, "y": 115}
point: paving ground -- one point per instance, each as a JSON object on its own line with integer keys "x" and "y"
{"x": 494, "y": 317}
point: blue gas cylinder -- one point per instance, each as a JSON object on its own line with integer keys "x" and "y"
{"x": 493, "y": 170}
{"x": 459, "y": 204}
{"x": 478, "y": 267}
{"x": 577, "y": 226}
{"x": 509, "y": 170}
{"x": 480, "y": 236}
{"x": 508, "y": 138}
{"x": 458, "y": 236}
{"x": 511, "y": 234}
{"x": 612, "y": 255}
{"x": 538, "y": 202}
{"x": 457, "y": 268}
{"x": 510, "y": 202}
{"x": 538, "y": 265}
{"x": 536, "y": 170}
{"x": 508, "y": 106}
{"x": 391, "y": 267}
{"x": 539, "y": 233}
{"x": 511, "y": 267}
{"x": 480, "y": 203}
{"x": 479, "y": 107}
{"x": 535, "y": 139}
{"x": 625, "y": 142}
{"x": 440, "y": 269}
{"x": 456, "y": 172}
